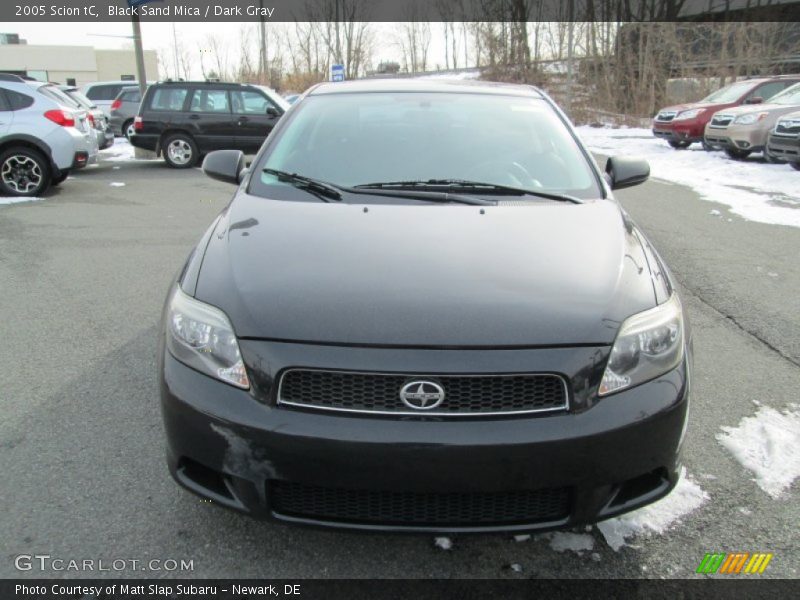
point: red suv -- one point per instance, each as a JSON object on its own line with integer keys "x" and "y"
{"x": 683, "y": 124}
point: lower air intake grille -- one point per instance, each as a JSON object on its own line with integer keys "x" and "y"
{"x": 418, "y": 509}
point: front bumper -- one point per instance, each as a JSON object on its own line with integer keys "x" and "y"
{"x": 737, "y": 137}
{"x": 600, "y": 459}
{"x": 680, "y": 131}
{"x": 783, "y": 147}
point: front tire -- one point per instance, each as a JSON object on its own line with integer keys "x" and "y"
{"x": 180, "y": 151}
{"x": 737, "y": 154}
{"x": 678, "y": 145}
{"x": 23, "y": 172}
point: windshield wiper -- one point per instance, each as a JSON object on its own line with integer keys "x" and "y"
{"x": 467, "y": 185}
{"x": 319, "y": 188}
{"x": 323, "y": 190}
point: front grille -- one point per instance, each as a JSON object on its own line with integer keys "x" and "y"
{"x": 418, "y": 508}
{"x": 464, "y": 395}
{"x": 665, "y": 116}
{"x": 720, "y": 121}
{"x": 788, "y": 128}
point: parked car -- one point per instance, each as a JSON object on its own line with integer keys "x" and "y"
{"x": 405, "y": 322}
{"x": 41, "y": 138}
{"x": 742, "y": 130}
{"x": 103, "y": 93}
{"x": 97, "y": 118}
{"x": 291, "y": 98}
{"x": 183, "y": 120}
{"x": 784, "y": 139}
{"x": 83, "y": 120}
{"x": 124, "y": 109}
{"x": 683, "y": 124}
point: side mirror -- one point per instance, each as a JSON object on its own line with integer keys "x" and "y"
{"x": 622, "y": 172}
{"x": 225, "y": 165}
{"x": 754, "y": 100}
{"x": 273, "y": 112}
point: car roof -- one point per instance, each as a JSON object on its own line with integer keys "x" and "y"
{"x": 424, "y": 85}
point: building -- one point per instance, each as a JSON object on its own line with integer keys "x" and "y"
{"x": 71, "y": 65}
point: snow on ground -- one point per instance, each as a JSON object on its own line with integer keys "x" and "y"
{"x": 445, "y": 543}
{"x": 121, "y": 151}
{"x": 17, "y": 199}
{"x": 117, "y": 184}
{"x": 768, "y": 444}
{"x": 561, "y": 541}
{"x": 655, "y": 518}
{"x": 753, "y": 189}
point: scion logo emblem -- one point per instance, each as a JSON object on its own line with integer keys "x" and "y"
{"x": 422, "y": 395}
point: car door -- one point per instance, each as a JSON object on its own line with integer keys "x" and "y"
{"x": 211, "y": 118}
{"x": 255, "y": 116}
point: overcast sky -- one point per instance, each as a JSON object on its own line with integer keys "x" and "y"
{"x": 157, "y": 36}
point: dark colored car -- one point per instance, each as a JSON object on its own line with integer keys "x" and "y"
{"x": 404, "y": 322}
{"x": 184, "y": 120}
{"x": 783, "y": 142}
{"x": 123, "y": 110}
{"x": 683, "y": 124}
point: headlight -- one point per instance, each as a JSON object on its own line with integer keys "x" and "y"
{"x": 648, "y": 344}
{"x": 749, "y": 118}
{"x": 201, "y": 336}
{"x": 688, "y": 114}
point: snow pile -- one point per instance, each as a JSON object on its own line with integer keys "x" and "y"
{"x": 655, "y": 518}
{"x": 561, "y": 541}
{"x": 17, "y": 199}
{"x": 752, "y": 188}
{"x": 768, "y": 444}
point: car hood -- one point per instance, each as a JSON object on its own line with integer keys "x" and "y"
{"x": 426, "y": 275}
{"x": 759, "y": 108}
{"x": 691, "y": 105}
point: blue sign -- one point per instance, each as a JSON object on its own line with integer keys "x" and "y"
{"x": 337, "y": 72}
{"x": 135, "y": 3}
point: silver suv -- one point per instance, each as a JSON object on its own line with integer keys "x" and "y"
{"x": 42, "y": 137}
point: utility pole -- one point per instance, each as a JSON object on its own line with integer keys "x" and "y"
{"x": 570, "y": 41}
{"x": 263, "y": 62}
{"x": 175, "y": 45}
{"x": 137, "y": 44}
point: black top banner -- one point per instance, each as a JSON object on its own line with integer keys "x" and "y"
{"x": 399, "y": 10}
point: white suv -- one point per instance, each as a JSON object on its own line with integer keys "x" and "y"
{"x": 42, "y": 137}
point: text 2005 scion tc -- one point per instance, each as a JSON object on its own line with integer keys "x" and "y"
{"x": 424, "y": 311}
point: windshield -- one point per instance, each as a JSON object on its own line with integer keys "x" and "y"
{"x": 789, "y": 96}
{"x": 356, "y": 139}
{"x": 729, "y": 93}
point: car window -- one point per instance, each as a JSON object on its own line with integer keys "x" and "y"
{"x": 103, "y": 92}
{"x": 767, "y": 90}
{"x": 17, "y": 100}
{"x": 131, "y": 96}
{"x": 730, "y": 93}
{"x": 247, "y": 102}
{"x": 276, "y": 98}
{"x": 4, "y": 105}
{"x": 352, "y": 139}
{"x": 789, "y": 96}
{"x": 213, "y": 101}
{"x": 168, "y": 98}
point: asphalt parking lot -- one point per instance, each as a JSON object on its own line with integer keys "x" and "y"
{"x": 83, "y": 275}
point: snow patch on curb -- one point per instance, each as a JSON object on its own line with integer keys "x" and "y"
{"x": 656, "y": 518}
{"x": 768, "y": 444}
{"x": 17, "y": 199}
